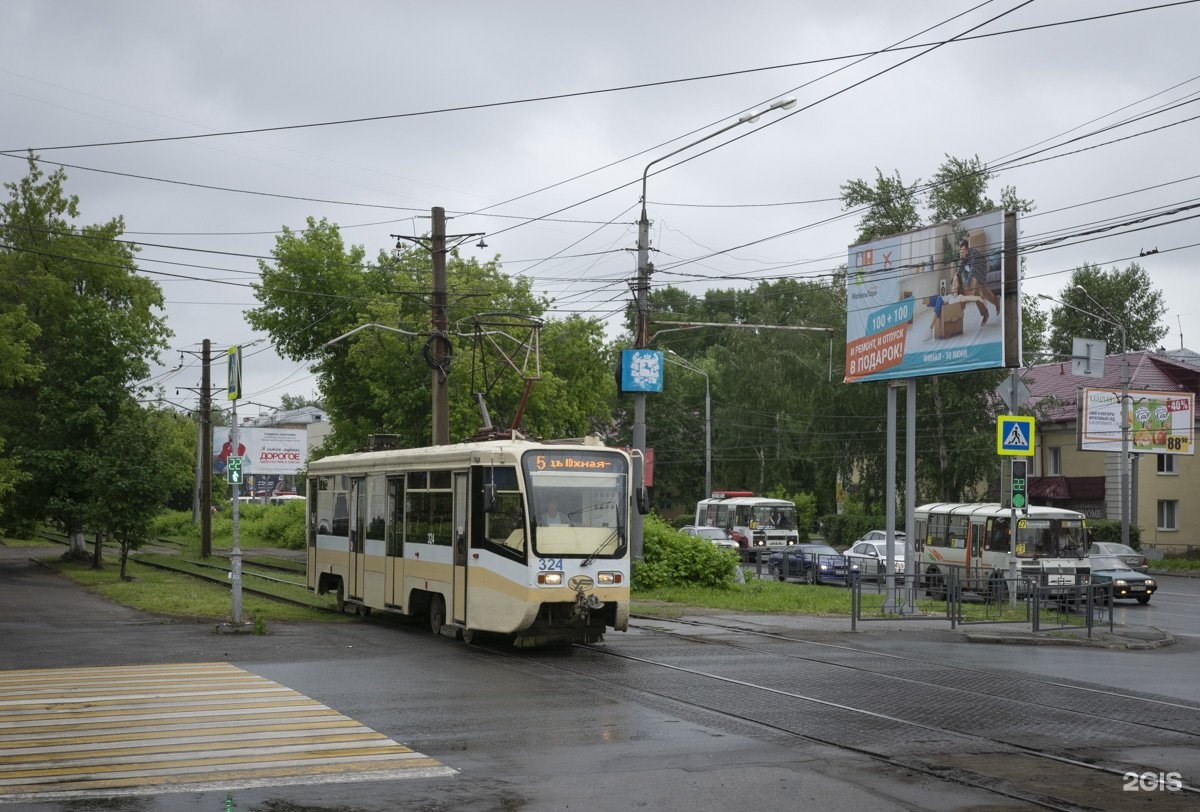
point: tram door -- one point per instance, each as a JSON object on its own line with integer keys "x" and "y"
{"x": 358, "y": 515}
{"x": 461, "y": 547}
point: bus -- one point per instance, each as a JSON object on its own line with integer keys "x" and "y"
{"x": 756, "y": 523}
{"x": 974, "y": 539}
{"x": 461, "y": 536}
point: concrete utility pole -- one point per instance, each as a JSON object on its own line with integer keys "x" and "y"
{"x": 641, "y": 330}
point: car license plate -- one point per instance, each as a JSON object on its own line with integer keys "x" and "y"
{"x": 1137, "y": 588}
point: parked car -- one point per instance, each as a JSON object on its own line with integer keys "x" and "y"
{"x": 814, "y": 563}
{"x": 1131, "y": 557}
{"x": 871, "y": 556}
{"x": 714, "y": 534}
{"x": 879, "y": 535}
{"x": 1126, "y": 583}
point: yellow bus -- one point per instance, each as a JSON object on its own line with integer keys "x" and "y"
{"x": 512, "y": 537}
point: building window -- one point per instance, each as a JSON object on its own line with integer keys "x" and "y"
{"x": 1054, "y": 461}
{"x": 1166, "y": 464}
{"x": 1168, "y": 514}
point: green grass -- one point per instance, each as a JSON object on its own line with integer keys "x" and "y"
{"x": 178, "y": 595}
{"x": 11, "y": 542}
{"x": 1176, "y": 565}
{"x": 779, "y": 598}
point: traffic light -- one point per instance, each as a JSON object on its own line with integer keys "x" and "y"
{"x": 1019, "y": 469}
{"x": 234, "y": 470}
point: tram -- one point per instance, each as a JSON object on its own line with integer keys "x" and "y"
{"x": 527, "y": 540}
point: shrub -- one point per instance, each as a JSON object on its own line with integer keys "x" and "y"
{"x": 673, "y": 559}
{"x": 1109, "y": 530}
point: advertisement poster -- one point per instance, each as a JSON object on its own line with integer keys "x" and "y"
{"x": 927, "y": 302}
{"x": 263, "y": 450}
{"x": 1159, "y": 422}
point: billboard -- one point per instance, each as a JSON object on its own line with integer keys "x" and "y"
{"x": 1159, "y": 422}
{"x": 263, "y": 450}
{"x": 936, "y": 300}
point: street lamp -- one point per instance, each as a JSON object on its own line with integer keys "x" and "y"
{"x": 641, "y": 336}
{"x": 1125, "y": 407}
{"x": 1124, "y": 399}
{"x": 678, "y": 360}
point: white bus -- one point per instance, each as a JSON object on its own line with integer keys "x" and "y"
{"x": 462, "y": 535}
{"x": 756, "y": 523}
{"x": 974, "y": 539}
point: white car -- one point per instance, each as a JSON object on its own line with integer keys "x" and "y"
{"x": 714, "y": 534}
{"x": 871, "y": 556}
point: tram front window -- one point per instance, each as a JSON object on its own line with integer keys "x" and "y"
{"x": 578, "y": 514}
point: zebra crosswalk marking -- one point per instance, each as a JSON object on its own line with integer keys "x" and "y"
{"x": 82, "y": 732}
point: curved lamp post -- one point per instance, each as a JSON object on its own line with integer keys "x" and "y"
{"x": 641, "y": 337}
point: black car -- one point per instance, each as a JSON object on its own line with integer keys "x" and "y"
{"x": 1126, "y": 583}
{"x": 814, "y": 563}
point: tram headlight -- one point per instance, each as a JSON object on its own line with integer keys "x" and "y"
{"x": 609, "y": 578}
{"x": 549, "y": 578}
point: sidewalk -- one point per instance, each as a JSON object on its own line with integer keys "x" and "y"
{"x": 1121, "y": 637}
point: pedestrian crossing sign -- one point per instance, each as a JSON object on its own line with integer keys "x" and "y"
{"x": 1014, "y": 436}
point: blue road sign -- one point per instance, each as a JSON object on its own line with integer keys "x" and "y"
{"x": 1014, "y": 436}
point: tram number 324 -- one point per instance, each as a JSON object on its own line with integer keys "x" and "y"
{"x": 549, "y": 564}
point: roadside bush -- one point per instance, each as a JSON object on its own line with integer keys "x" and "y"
{"x": 843, "y": 530}
{"x": 175, "y": 524}
{"x": 282, "y": 525}
{"x": 673, "y": 559}
{"x": 1109, "y": 530}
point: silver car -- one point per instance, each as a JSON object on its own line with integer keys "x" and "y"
{"x": 714, "y": 534}
{"x": 871, "y": 556}
{"x": 1129, "y": 556}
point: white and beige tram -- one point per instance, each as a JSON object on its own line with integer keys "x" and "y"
{"x": 523, "y": 539}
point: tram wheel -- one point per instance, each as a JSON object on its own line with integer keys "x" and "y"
{"x": 340, "y": 600}
{"x": 437, "y": 614}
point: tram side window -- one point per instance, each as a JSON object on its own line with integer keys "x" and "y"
{"x": 333, "y": 507}
{"x": 430, "y": 517}
{"x": 506, "y": 524}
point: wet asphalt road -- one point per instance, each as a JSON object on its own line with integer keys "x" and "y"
{"x": 518, "y": 737}
{"x": 538, "y": 731}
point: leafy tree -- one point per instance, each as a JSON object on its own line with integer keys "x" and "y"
{"x": 98, "y": 327}
{"x": 292, "y": 402}
{"x": 133, "y": 476}
{"x": 379, "y": 381}
{"x": 955, "y": 412}
{"x": 1096, "y": 301}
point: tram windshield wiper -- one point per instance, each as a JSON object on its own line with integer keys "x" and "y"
{"x": 615, "y": 534}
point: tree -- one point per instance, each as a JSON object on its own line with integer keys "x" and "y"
{"x": 1097, "y": 303}
{"x": 958, "y": 410}
{"x": 98, "y": 327}
{"x": 377, "y": 381}
{"x": 132, "y": 476}
{"x": 290, "y": 403}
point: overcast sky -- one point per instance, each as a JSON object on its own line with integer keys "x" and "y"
{"x": 559, "y": 177}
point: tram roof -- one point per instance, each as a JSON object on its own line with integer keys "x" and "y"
{"x": 475, "y": 452}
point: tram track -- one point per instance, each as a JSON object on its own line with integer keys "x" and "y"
{"x": 758, "y": 686}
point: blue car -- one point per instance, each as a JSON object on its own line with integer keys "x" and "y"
{"x": 814, "y": 563}
{"x": 1126, "y": 583}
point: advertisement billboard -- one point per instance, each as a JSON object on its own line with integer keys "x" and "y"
{"x": 936, "y": 300}
{"x": 1159, "y": 422}
{"x": 263, "y": 450}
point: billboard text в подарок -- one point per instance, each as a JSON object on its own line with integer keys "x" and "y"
{"x": 923, "y": 303}
{"x": 263, "y": 450}
{"x": 1159, "y": 422}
